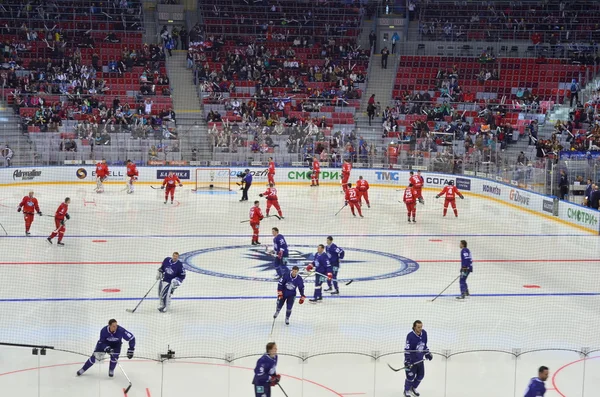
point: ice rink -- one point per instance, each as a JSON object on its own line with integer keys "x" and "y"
{"x": 535, "y": 297}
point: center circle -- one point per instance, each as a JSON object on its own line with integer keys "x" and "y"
{"x": 250, "y": 264}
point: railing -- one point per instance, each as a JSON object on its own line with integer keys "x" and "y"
{"x": 493, "y": 373}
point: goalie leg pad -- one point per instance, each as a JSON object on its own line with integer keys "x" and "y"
{"x": 165, "y": 296}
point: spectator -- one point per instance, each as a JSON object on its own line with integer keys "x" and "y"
{"x": 384, "y": 57}
{"x": 373, "y": 41}
{"x": 522, "y": 160}
{"x": 7, "y": 154}
{"x": 588, "y": 193}
{"x": 563, "y": 185}
{"x": 595, "y": 197}
{"x": 574, "y": 90}
{"x": 370, "y": 112}
{"x": 395, "y": 39}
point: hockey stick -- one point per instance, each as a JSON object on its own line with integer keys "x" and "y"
{"x": 126, "y": 377}
{"x": 446, "y": 288}
{"x": 341, "y": 209}
{"x": 272, "y": 326}
{"x": 140, "y": 302}
{"x": 283, "y": 391}
{"x": 408, "y": 366}
{"x": 323, "y": 275}
{"x": 270, "y": 216}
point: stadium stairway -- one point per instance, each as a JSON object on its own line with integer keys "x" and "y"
{"x": 191, "y": 125}
{"x": 18, "y": 141}
{"x": 380, "y": 83}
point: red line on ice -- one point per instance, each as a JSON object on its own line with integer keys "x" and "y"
{"x": 556, "y": 389}
{"x": 180, "y": 362}
{"x": 79, "y": 263}
{"x": 506, "y": 260}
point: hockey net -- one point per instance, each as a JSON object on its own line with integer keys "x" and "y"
{"x": 212, "y": 178}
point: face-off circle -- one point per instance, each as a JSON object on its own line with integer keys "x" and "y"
{"x": 255, "y": 264}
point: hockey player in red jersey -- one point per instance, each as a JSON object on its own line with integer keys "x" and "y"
{"x": 417, "y": 182}
{"x": 346, "y": 168}
{"x": 451, "y": 192}
{"x": 132, "y": 175}
{"x": 362, "y": 186}
{"x": 59, "y": 221}
{"x": 316, "y": 170}
{"x": 410, "y": 199}
{"x": 170, "y": 181}
{"x": 101, "y": 175}
{"x": 272, "y": 201}
{"x": 30, "y": 206}
{"x": 256, "y": 216}
{"x": 353, "y": 199}
{"x": 271, "y": 174}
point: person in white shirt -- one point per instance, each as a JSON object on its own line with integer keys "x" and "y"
{"x": 148, "y": 106}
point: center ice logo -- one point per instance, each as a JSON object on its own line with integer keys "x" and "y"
{"x": 240, "y": 262}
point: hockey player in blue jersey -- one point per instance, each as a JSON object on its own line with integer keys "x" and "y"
{"x": 415, "y": 353}
{"x": 171, "y": 274}
{"x": 335, "y": 254}
{"x": 110, "y": 343}
{"x": 322, "y": 267}
{"x": 265, "y": 372}
{"x": 286, "y": 292}
{"x": 280, "y": 250}
{"x": 466, "y": 268}
{"x": 536, "y": 387}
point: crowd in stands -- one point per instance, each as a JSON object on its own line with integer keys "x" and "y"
{"x": 580, "y": 133}
{"x": 543, "y": 21}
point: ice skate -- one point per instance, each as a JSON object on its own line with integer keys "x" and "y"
{"x": 327, "y": 289}
{"x": 111, "y": 373}
{"x": 80, "y": 372}
{"x": 462, "y": 296}
{"x": 414, "y": 392}
{"x": 287, "y": 321}
{"x": 336, "y": 292}
{"x": 60, "y": 243}
{"x": 315, "y": 300}
{"x": 49, "y": 240}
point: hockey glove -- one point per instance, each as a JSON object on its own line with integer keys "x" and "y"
{"x": 62, "y": 222}
{"x": 159, "y": 275}
{"x": 162, "y": 187}
{"x": 39, "y": 213}
{"x": 67, "y": 216}
{"x": 407, "y": 365}
{"x": 429, "y": 356}
{"x": 260, "y": 195}
{"x": 108, "y": 350}
{"x": 176, "y": 283}
{"x": 309, "y": 268}
{"x": 462, "y": 197}
{"x": 302, "y": 298}
{"x": 180, "y": 185}
{"x": 274, "y": 380}
{"x": 19, "y": 209}
{"x": 329, "y": 276}
{"x": 464, "y": 274}
{"x": 345, "y": 203}
{"x": 437, "y": 197}
{"x": 280, "y": 254}
{"x": 130, "y": 353}
{"x": 279, "y": 295}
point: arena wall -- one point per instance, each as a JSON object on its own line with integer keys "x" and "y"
{"x": 510, "y": 193}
